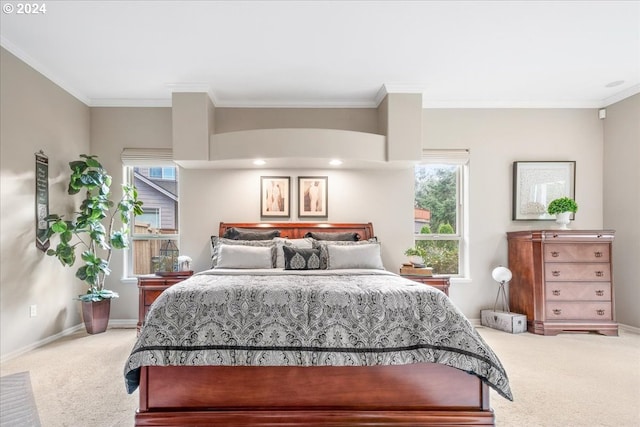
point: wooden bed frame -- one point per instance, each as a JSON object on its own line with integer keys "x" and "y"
{"x": 423, "y": 394}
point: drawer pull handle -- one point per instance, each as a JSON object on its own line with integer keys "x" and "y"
{"x": 555, "y": 254}
{"x": 599, "y": 273}
{"x": 557, "y": 311}
{"x": 600, "y": 312}
{"x": 597, "y": 254}
{"x": 556, "y": 292}
{"x": 600, "y": 293}
{"x": 555, "y": 273}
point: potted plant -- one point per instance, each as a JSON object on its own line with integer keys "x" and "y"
{"x": 416, "y": 255}
{"x": 562, "y": 208}
{"x": 93, "y": 229}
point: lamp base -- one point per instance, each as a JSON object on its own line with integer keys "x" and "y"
{"x": 504, "y": 321}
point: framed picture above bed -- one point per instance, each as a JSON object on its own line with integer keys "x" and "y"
{"x": 536, "y": 184}
{"x": 313, "y": 196}
{"x": 275, "y": 196}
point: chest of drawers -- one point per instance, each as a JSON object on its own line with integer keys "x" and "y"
{"x": 151, "y": 286}
{"x": 562, "y": 280}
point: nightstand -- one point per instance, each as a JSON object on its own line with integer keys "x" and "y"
{"x": 150, "y": 286}
{"x": 441, "y": 283}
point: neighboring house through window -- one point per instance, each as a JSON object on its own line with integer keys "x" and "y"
{"x": 440, "y": 214}
{"x": 156, "y": 230}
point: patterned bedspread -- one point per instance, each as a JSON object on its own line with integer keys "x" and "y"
{"x": 337, "y": 318}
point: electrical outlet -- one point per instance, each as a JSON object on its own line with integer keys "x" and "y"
{"x": 33, "y": 310}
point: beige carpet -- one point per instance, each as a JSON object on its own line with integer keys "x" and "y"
{"x": 571, "y": 380}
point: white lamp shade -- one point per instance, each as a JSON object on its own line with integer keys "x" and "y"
{"x": 501, "y": 274}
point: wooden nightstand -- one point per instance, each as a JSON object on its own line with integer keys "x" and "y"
{"x": 441, "y": 283}
{"x": 151, "y": 286}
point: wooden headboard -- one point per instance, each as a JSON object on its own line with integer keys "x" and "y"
{"x": 297, "y": 230}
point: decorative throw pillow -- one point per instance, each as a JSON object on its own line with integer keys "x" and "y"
{"x": 301, "y": 259}
{"x": 242, "y": 256}
{"x": 247, "y": 234}
{"x": 217, "y": 241}
{"x": 354, "y": 256}
{"x": 341, "y": 236}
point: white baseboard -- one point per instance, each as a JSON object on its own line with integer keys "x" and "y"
{"x": 40, "y": 343}
{"x": 113, "y": 324}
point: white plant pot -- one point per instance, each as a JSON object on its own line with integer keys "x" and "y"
{"x": 563, "y": 218}
{"x": 415, "y": 259}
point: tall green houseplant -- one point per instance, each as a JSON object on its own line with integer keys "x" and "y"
{"x": 93, "y": 226}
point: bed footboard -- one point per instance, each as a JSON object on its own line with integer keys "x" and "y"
{"x": 423, "y": 394}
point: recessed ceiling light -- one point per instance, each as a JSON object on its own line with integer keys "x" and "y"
{"x": 259, "y": 162}
{"x": 335, "y": 162}
{"x": 615, "y": 83}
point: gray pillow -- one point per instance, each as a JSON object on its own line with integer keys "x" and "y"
{"x": 243, "y": 256}
{"x": 217, "y": 241}
{"x": 301, "y": 259}
{"x": 324, "y": 254}
{"x": 247, "y": 234}
{"x": 342, "y": 236}
{"x": 354, "y": 256}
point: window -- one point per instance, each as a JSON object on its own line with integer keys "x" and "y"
{"x": 440, "y": 220}
{"x": 162, "y": 173}
{"x": 156, "y": 231}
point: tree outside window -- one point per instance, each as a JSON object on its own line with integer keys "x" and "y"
{"x": 437, "y": 195}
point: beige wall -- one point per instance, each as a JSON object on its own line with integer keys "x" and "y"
{"x": 112, "y": 130}
{"x": 496, "y": 138}
{"x": 622, "y": 203}
{"x": 35, "y": 115}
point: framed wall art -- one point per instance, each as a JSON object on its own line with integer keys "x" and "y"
{"x": 536, "y": 184}
{"x": 313, "y": 197}
{"x": 275, "y": 196}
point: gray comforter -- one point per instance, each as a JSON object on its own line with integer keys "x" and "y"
{"x": 337, "y": 318}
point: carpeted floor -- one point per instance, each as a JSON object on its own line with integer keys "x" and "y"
{"x": 17, "y": 405}
{"x": 571, "y": 380}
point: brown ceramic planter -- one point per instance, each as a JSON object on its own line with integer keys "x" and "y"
{"x": 96, "y": 315}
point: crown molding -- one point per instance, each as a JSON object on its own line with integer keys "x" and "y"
{"x": 33, "y": 63}
{"x": 617, "y": 97}
{"x": 129, "y": 102}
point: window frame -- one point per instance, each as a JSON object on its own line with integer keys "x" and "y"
{"x": 460, "y": 159}
{"x": 145, "y": 157}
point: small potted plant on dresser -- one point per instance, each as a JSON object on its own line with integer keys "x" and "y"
{"x": 93, "y": 228}
{"x": 562, "y": 208}
{"x": 416, "y": 256}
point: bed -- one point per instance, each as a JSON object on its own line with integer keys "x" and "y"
{"x": 330, "y": 346}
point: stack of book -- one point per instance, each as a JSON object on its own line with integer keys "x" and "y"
{"x": 416, "y": 270}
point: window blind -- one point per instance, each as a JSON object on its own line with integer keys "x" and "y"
{"x": 457, "y": 157}
{"x": 147, "y": 156}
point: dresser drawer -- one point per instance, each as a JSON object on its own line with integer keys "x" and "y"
{"x": 578, "y": 291}
{"x": 597, "y": 252}
{"x": 577, "y": 272}
{"x": 150, "y": 296}
{"x": 579, "y": 311}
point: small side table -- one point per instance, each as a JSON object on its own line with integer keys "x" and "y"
{"x": 440, "y": 282}
{"x": 150, "y": 287}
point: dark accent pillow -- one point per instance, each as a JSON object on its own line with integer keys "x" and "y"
{"x": 341, "y": 236}
{"x": 234, "y": 233}
{"x": 301, "y": 259}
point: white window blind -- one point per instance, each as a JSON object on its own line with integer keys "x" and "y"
{"x": 147, "y": 157}
{"x": 455, "y": 157}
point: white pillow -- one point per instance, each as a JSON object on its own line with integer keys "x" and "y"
{"x": 239, "y": 256}
{"x": 354, "y": 256}
{"x": 304, "y": 243}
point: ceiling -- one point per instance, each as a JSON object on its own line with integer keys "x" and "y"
{"x": 476, "y": 54}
